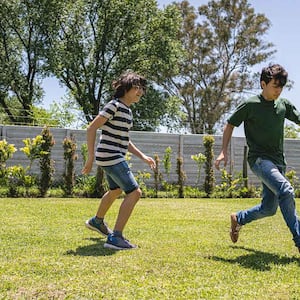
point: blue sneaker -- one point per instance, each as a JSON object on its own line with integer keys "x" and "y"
{"x": 101, "y": 228}
{"x": 118, "y": 243}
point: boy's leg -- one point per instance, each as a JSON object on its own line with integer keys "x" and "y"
{"x": 106, "y": 202}
{"x": 266, "y": 208}
{"x": 283, "y": 194}
{"x": 97, "y": 223}
{"x": 288, "y": 210}
{"x": 116, "y": 240}
{"x": 126, "y": 209}
{"x": 272, "y": 179}
{"x": 123, "y": 177}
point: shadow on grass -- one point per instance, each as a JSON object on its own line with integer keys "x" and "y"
{"x": 257, "y": 260}
{"x": 95, "y": 249}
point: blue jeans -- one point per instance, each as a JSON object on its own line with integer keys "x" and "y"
{"x": 277, "y": 190}
{"x": 120, "y": 176}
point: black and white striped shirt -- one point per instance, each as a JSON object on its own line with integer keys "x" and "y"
{"x": 114, "y": 138}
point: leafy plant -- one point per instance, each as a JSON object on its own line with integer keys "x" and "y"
{"x": 15, "y": 178}
{"x": 167, "y": 160}
{"x": 233, "y": 187}
{"x": 33, "y": 148}
{"x": 157, "y": 174}
{"x": 181, "y": 177}
{"x": 208, "y": 141}
{"x": 84, "y": 153}
{"x": 200, "y": 159}
{"x": 46, "y": 163}
{"x": 69, "y": 145}
{"x": 6, "y": 151}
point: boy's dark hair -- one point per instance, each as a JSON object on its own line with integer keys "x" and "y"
{"x": 126, "y": 81}
{"x": 275, "y": 71}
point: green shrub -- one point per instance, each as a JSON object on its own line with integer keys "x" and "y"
{"x": 200, "y": 159}
{"x": 209, "y": 182}
{"x": 181, "y": 177}
{"x": 6, "y": 151}
{"x": 46, "y": 163}
{"x": 69, "y": 145}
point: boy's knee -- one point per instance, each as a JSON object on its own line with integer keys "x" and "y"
{"x": 136, "y": 194}
{"x": 139, "y": 193}
{"x": 286, "y": 191}
{"x": 271, "y": 211}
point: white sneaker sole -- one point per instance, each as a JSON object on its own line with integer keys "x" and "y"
{"x": 110, "y": 246}
{"x": 87, "y": 225}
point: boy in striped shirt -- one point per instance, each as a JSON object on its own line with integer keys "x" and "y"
{"x": 115, "y": 121}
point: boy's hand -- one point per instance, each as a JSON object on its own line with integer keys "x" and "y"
{"x": 221, "y": 157}
{"x": 150, "y": 161}
{"x": 88, "y": 166}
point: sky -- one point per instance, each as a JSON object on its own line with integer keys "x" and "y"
{"x": 285, "y": 23}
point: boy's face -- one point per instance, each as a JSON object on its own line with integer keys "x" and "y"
{"x": 135, "y": 93}
{"x": 272, "y": 90}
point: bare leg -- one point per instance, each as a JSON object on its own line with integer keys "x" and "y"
{"x": 107, "y": 200}
{"x": 126, "y": 209}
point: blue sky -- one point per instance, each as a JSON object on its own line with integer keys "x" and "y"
{"x": 284, "y": 17}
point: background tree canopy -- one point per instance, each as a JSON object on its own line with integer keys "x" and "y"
{"x": 198, "y": 60}
{"x": 222, "y": 41}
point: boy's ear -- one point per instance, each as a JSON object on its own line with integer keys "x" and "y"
{"x": 262, "y": 84}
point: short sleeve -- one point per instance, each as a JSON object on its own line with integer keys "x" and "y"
{"x": 109, "y": 110}
{"x": 239, "y": 115}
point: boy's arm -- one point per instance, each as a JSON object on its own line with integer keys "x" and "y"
{"x": 134, "y": 150}
{"x": 90, "y": 139}
{"x": 225, "y": 142}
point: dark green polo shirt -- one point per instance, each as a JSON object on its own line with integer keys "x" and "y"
{"x": 264, "y": 126}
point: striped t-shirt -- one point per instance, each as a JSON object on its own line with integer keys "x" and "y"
{"x": 114, "y": 138}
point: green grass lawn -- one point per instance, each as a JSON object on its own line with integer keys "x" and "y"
{"x": 184, "y": 252}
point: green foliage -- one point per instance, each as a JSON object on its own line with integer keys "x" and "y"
{"x": 208, "y": 142}
{"x": 141, "y": 178}
{"x": 222, "y": 41}
{"x": 33, "y": 148}
{"x": 85, "y": 185}
{"x": 181, "y": 177}
{"x": 200, "y": 159}
{"x": 292, "y": 177}
{"x": 6, "y": 152}
{"x": 69, "y": 145}
{"x": 46, "y": 163}
{"x": 64, "y": 113}
{"x": 15, "y": 176}
{"x": 294, "y": 180}
{"x": 149, "y": 113}
{"x": 157, "y": 174}
{"x": 233, "y": 187}
{"x": 99, "y": 184}
{"x": 95, "y": 41}
{"x": 291, "y": 132}
{"x": 21, "y": 57}
{"x": 84, "y": 153}
{"x": 167, "y": 161}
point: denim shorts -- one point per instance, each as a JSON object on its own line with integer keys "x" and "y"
{"x": 120, "y": 176}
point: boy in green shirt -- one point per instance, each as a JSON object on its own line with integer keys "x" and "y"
{"x": 263, "y": 118}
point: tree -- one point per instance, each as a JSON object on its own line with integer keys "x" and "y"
{"x": 291, "y": 131}
{"x": 222, "y": 41}
{"x": 22, "y": 42}
{"x": 97, "y": 40}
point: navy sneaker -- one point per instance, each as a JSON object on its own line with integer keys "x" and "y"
{"x": 118, "y": 243}
{"x": 102, "y": 227}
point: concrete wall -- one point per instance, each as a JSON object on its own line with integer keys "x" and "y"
{"x": 150, "y": 143}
